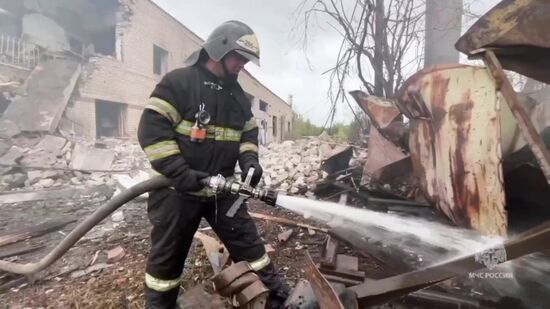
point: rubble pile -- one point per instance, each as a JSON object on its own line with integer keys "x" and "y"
{"x": 294, "y": 167}
{"x": 30, "y": 162}
{"x": 35, "y": 162}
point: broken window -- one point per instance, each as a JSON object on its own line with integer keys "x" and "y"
{"x": 274, "y": 126}
{"x": 250, "y": 98}
{"x": 283, "y": 127}
{"x": 104, "y": 41}
{"x": 263, "y": 106}
{"x": 160, "y": 60}
{"x": 110, "y": 118}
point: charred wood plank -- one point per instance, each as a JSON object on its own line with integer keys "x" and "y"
{"x": 12, "y": 283}
{"x": 345, "y": 281}
{"x": 344, "y": 273}
{"x": 347, "y": 262}
{"x": 328, "y": 259}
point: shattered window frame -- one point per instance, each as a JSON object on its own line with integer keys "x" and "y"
{"x": 263, "y": 106}
{"x": 274, "y": 126}
{"x": 250, "y": 98}
{"x": 160, "y": 60}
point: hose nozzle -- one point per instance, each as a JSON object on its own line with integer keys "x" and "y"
{"x": 219, "y": 184}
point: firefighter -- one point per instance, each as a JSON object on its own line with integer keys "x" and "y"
{"x": 198, "y": 122}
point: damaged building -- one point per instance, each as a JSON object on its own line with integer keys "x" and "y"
{"x": 86, "y": 67}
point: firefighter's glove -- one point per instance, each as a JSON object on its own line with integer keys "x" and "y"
{"x": 189, "y": 181}
{"x": 258, "y": 171}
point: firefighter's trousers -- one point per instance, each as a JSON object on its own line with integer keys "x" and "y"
{"x": 175, "y": 218}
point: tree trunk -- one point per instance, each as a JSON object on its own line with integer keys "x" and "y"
{"x": 378, "y": 49}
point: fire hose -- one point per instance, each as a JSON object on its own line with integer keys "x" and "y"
{"x": 372, "y": 291}
{"x": 216, "y": 183}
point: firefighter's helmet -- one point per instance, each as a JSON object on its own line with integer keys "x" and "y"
{"x": 233, "y": 36}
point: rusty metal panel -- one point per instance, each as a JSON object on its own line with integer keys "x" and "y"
{"x": 456, "y": 150}
{"x": 326, "y": 296}
{"x": 384, "y": 116}
{"x": 381, "y": 153}
{"x": 380, "y": 111}
{"x": 516, "y": 30}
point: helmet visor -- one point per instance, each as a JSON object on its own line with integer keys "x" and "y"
{"x": 251, "y": 57}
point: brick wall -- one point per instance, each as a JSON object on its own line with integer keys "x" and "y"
{"x": 82, "y": 112}
{"x": 129, "y": 78}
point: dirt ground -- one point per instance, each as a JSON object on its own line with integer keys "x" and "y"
{"x": 84, "y": 278}
{"x": 120, "y": 284}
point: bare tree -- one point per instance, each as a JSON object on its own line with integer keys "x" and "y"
{"x": 381, "y": 42}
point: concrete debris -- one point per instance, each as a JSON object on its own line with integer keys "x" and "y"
{"x": 87, "y": 158}
{"x": 124, "y": 181}
{"x": 52, "y": 144}
{"x": 117, "y": 216}
{"x": 39, "y": 157}
{"x": 71, "y": 167}
{"x": 4, "y": 147}
{"x": 294, "y": 167}
{"x": 46, "y": 183}
{"x": 8, "y": 129}
{"x": 33, "y": 177}
{"x": 116, "y": 254}
{"x": 79, "y": 165}
{"x": 49, "y": 88}
{"x": 12, "y": 156}
{"x": 284, "y": 236}
{"x": 10, "y": 181}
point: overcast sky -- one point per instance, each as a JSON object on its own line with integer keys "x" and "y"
{"x": 284, "y": 68}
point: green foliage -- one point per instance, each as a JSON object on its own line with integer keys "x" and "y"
{"x": 351, "y": 132}
{"x": 306, "y": 128}
{"x": 358, "y": 128}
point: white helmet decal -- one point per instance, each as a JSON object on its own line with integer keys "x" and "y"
{"x": 249, "y": 42}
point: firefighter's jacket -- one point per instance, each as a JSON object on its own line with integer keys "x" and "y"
{"x": 166, "y": 123}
